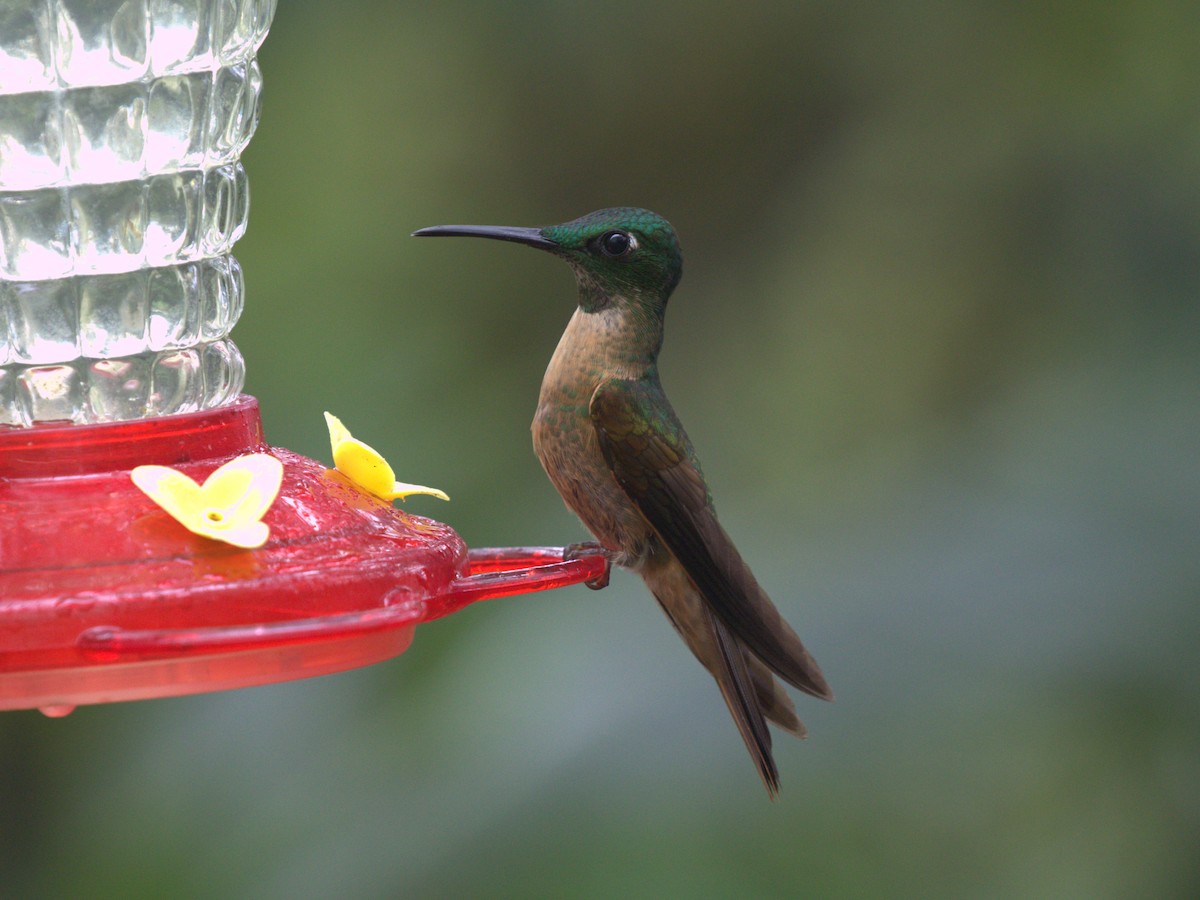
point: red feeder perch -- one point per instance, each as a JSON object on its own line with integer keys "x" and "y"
{"x": 104, "y": 597}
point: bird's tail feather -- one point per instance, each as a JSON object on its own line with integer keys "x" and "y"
{"x": 747, "y": 685}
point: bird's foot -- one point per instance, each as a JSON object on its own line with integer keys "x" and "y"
{"x": 591, "y": 548}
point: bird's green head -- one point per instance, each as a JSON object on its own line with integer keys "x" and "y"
{"x": 616, "y": 253}
{"x": 622, "y": 251}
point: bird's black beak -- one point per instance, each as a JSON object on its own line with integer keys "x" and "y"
{"x": 533, "y": 237}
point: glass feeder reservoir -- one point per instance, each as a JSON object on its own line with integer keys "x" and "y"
{"x": 121, "y": 196}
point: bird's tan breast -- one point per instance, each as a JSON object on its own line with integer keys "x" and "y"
{"x": 565, "y": 440}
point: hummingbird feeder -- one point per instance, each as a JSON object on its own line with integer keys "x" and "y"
{"x": 121, "y": 196}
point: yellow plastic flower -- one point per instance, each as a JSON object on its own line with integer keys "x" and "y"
{"x": 366, "y": 468}
{"x": 229, "y": 505}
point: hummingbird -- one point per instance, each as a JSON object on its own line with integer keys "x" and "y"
{"x": 615, "y": 450}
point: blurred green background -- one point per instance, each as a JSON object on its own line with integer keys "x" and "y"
{"x": 937, "y": 344}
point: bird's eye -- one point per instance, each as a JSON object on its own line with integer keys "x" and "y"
{"x": 617, "y": 243}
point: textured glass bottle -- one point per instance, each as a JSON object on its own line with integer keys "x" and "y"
{"x": 121, "y": 195}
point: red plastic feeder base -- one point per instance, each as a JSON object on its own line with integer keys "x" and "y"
{"x": 105, "y": 597}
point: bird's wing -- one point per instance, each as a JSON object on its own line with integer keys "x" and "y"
{"x": 651, "y": 458}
